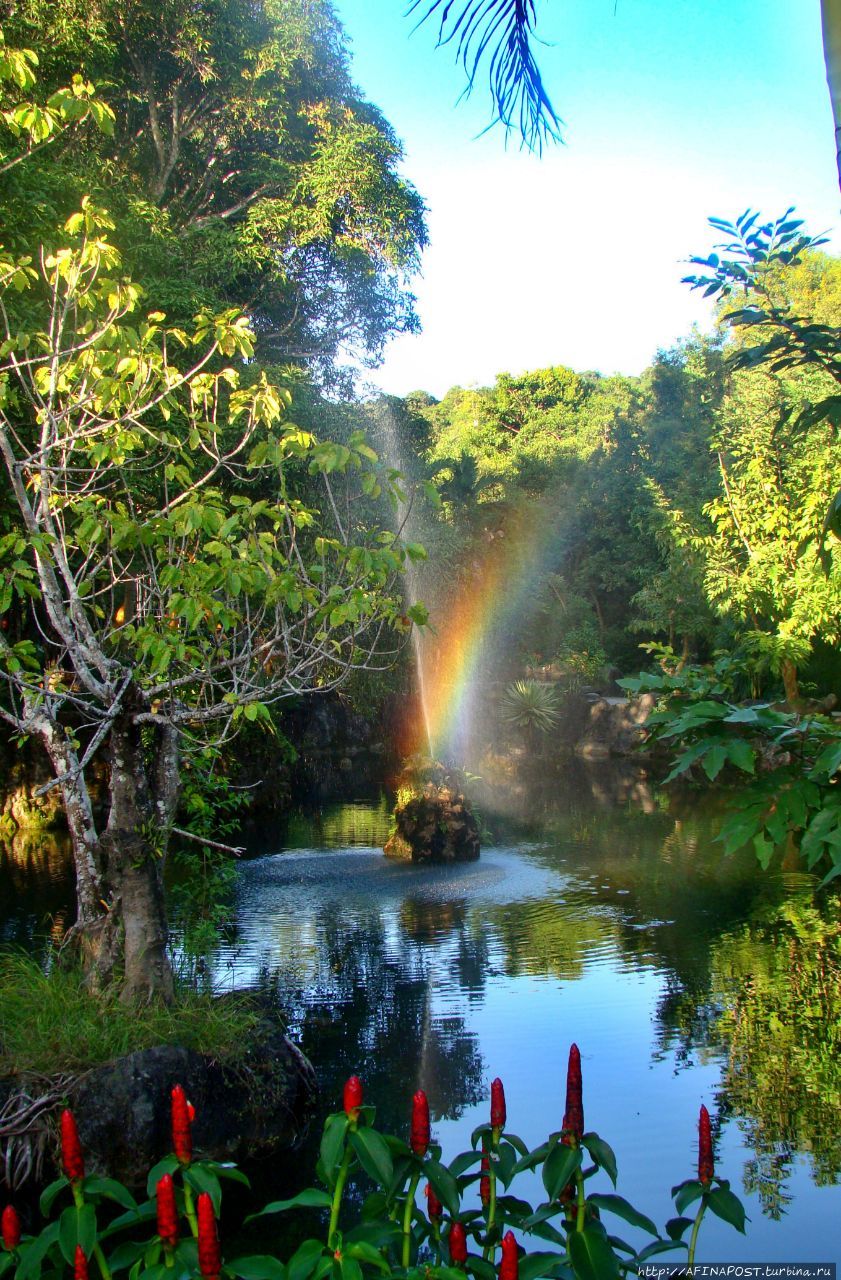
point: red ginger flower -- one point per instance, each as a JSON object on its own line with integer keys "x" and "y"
{"x": 352, "y": 1097}
{"x": 419, "y": 1140}
{"x": 485, "y": 1181}
{"x": 573, "y": 1125}
{"x": 210, "y": 1260}
{"x": 182, "y": 1134}
{"x": 706, "y": 1168}
{"x": 458, "y": 1243}
{"x": 167, "y": 1212}
{"x": 433, "y": 1204}
{"x": 509, "y": 1267}
{"x": 71, "y": 1148}
{"x": 498, "y": 1114}
{"x": 10, "y": 1227}
{"x": 80, "y": 1264}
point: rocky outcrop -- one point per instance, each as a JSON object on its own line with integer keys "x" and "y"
{"x": 434, "y": 826}
{"x": 614, "y": 726}
{"x": 258, "y": 1106}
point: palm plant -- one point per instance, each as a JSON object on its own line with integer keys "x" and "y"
{"x": 531, "y": 706}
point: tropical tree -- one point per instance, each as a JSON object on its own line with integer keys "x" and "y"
{"x": 245, "y": 169}
{"x": 161, "y": 579}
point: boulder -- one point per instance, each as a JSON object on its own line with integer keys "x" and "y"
{"x": 614, "y": 726}
{"x": 434, "y": 826}
{"x": 257, "y": 1107}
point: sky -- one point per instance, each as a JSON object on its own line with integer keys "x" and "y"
{"x": 674, "y": 111}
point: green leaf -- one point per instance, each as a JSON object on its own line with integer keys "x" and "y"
{"x": 304, "y": 1261}
{"x": 77, "y": 1226}
{"x": 257, "y": 1267}
{"x": 535, "y": 1265}
{"x": 229, "y": 1171}
{"x": 675, "y": 1227}
{"x": 601, "y": 1153}
{"x": 202, "y": 1180}
{"x": 349, "y": 1268}
{"x": 727, "y": 1206}
{"x": 34, "y": 1252}
{"x": 168, "y": 1165}
{"x": 332, "y": 1143}
{"x": 111, "y": 1189}
{"x": 373, "y": 1154}
{"x": 687, "y": 1193}
{"x": 366, "y": 1252}
{"x": 622, "y": 1209}
{"x": 592, "y": 1257}
{"x": 560, "y": 1165}
{"x": 49, "y": 1194}
{"x": 310, "y": 1198}
{"x": 742, "y": 755}
{"x": 714, "y": 761}
{"x": 444, "y": 1185}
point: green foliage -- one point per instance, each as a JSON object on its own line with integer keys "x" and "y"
{"x": 531, "y": 705}
{"x": 245, "y": 169}
{"x": 392, "y": 1235}
{"x": 51, "y": 1022}
{"x": 788, "y": 763}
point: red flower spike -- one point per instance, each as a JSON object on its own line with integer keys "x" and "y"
{"x": 458, "y": 1243}
{"x": 419, "y": 1139}
{"x": 167, "y": 1212}
{"x": 433, "y": 1204}
{"x": 182, "y": 1134}
{"x": 498, "y": 1114}
{"x": 191, "y": 1112}
{"x": 573, "y": 1125}
{"x": 509, "y": 1267}
{"x": 10, "y": 1228}
{"x": 352, "y": 1097}
{"x": 80, "y": 1264}
{"x": 71, "y": 1148}
{"x": 485, "y": 1181}
{"x": 210, "y": 1259}
{"x": 706, "y": 1167}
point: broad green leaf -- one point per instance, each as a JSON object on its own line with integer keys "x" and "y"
{"x": 622, "y": 1209}
{"x": 592, "y": 1257}
{"x": 311, "y": 1198}
{"x": 602, "y": 1153}
{"x": 77, "y": 1226}
{"x": 727, "y": 1206}
{"x": 560, "y": 1166}
{"x": 257, "y": 1267}
{"x": 444, "y": 1185}
{"x": 373, "y": 1154}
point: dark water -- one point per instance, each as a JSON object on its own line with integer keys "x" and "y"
{"x": 607, "y": 916}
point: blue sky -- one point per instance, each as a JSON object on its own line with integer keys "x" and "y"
{"x": 674, "y": 110}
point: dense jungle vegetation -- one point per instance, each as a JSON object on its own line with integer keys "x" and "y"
{"x": 206, "y": 235}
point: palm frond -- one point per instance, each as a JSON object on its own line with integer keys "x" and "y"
{"x": 500, "y": 31}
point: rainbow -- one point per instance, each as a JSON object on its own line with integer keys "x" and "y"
{"x": 489, "y": 609}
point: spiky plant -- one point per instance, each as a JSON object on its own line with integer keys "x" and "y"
{"x": 531, "y": 705}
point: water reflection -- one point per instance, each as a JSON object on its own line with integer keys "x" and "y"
{"x": 686, "y": 976}
{"x": 36, "y": 891}
{"x": 606, "y": 915}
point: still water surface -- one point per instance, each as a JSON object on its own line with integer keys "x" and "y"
{"x": 683, "y": 977}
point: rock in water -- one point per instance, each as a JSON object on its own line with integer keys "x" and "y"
{"x": 434, "y": 826}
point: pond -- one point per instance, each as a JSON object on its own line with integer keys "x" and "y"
{"x": 607, "y": 916}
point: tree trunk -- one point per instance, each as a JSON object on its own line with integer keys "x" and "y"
{"x": 789, "y": 673}
{"x": 135, "y": 869}
{"x": 831, "y": 22}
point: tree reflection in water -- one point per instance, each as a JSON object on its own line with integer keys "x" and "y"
{"x": 372, "y": 1014}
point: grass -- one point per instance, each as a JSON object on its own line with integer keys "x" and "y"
{"x": 50, "y": 1023}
